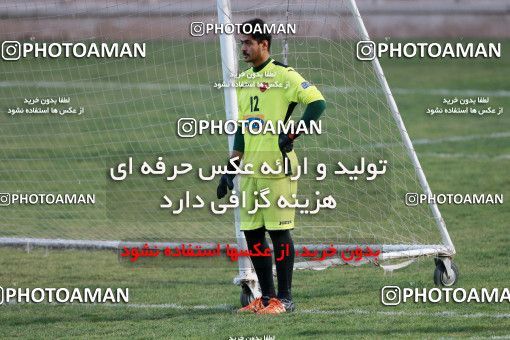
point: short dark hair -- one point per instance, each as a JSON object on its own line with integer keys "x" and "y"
{"x": 259, "y": 34}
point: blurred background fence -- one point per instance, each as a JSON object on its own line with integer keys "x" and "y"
{"x": 155, "y": 19}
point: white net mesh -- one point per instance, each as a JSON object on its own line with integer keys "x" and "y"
{"x": 131, "y": 108}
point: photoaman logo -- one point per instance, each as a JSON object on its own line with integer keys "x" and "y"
{"x": 14, "y": 50}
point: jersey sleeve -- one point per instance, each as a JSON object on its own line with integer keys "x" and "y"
{"x": 299, "y": 90}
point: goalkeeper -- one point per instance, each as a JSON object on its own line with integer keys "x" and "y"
{"x": 260, "y": 104}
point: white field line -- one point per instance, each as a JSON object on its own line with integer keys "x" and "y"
{"x": 100, "y": 85}
{"x": 232, "y": 309}
{"x": 228, "y": 308}
{"x": 465, "y": 155}
{"x": 427, "y": 141}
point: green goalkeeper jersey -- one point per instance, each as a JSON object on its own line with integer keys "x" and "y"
{"x": 270, "y": 93}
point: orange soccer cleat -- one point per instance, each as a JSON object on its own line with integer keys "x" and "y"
{"x": 275, "y": 306}
{"x": 253, "y": 307}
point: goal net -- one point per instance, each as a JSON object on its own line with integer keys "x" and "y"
{"x": 125, "y": 111}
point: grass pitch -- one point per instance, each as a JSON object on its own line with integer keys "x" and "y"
{"x": 338, "y": 302}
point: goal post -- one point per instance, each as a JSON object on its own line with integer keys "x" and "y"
{"x": 356, "y": 31}
{"x": 229, "y": 54}
{"x": 447, "y": 242}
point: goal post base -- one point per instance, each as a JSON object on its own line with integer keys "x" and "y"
{"x": 250, "y": 288}
{"x": 446, "y": 271}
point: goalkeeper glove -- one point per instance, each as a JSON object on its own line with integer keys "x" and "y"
{"x": 286, "y": 142}
{"x": 226, "y": 181}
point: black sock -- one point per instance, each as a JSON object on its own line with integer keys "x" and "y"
{"x": 282, "y": 242}
{"x": 263, "y": 265}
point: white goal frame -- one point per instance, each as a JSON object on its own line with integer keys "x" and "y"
{"x": 388, "y": 251}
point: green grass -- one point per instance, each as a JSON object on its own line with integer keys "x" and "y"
{"x": 52, "y": 153}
